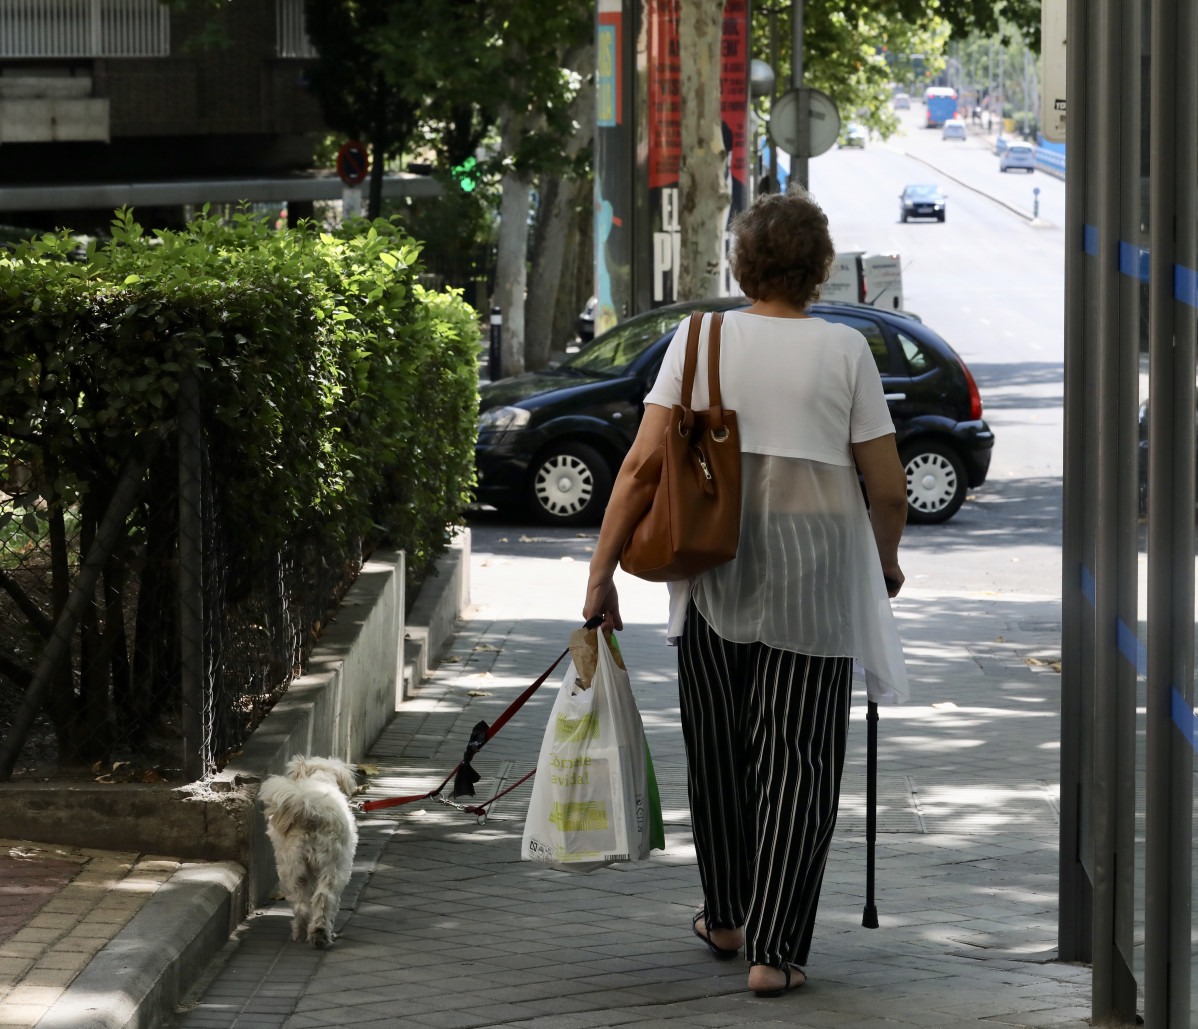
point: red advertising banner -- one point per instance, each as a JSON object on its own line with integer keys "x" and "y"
{"x": 734, "y": 94}
{"x": 664, "y": 143}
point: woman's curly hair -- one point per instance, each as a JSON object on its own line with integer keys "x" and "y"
{"x": 782, "y": 249}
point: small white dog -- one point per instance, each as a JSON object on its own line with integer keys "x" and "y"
{"x": 314, "y": 835}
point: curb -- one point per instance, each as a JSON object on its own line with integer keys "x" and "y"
{"x": 135, "y": 980}
{"x": 139, "y": 977}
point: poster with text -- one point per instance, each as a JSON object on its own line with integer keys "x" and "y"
{"x": 664, "y": 143}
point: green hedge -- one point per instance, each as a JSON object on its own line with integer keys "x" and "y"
{"x": 342, "y": 396}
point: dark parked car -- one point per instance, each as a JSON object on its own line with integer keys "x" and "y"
{"x": 554, "y": 439}
{"x": 922, "y": 202}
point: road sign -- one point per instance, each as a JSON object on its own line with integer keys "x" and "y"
{"x": 1052, "y": 37}
{"x": 353, "y": 163}
{"x": 824, "y": 122}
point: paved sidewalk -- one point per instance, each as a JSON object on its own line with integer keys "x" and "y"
{"x": 446, "y": 927}
{"x": 58, "y": 907}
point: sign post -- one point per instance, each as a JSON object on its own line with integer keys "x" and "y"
{"x": 801, "y": 119}
{"x": 353, "y": 162}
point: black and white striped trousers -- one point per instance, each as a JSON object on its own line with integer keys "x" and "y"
{"x": 765, "y": 734}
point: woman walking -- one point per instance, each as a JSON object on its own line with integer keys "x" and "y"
{"x": 767, "y": 641}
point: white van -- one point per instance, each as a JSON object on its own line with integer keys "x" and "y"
{"x": 861, "y": 278}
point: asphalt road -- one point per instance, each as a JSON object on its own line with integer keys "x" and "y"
{"x": 992, "y": 285}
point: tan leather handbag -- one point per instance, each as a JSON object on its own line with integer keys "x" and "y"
{"x": 693, "y": 523}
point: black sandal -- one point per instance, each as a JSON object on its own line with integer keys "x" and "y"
{"x": 718, "y": 952}
{"x": 785, "y": 987}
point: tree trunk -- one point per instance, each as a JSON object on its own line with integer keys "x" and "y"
{"x": 577, "y": 280}
{"x": 374, "y": 200}
{"x": 552, "y": 267}
{"x": 511, "y": 271}
{"x": 559, "y": 201}
{"x": 702, "y": 180}
{"x": 374, "y": 197}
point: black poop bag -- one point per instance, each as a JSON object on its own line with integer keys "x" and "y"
{"x": 463, "y": 782}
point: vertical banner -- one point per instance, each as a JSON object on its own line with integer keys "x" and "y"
{"x": 614, "y": 146}
{"x": 638, "y": 146}
{"x": 664, "y": 133}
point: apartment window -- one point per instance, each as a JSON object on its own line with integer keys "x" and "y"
{"x": 84, "y": 28}
{"x": 291, "y": 30}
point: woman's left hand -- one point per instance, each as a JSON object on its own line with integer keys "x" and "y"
{"x": 602, "y": 599}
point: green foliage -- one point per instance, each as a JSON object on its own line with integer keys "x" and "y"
{"x": 855, "y": 49}
{"x": 317, "y": 357}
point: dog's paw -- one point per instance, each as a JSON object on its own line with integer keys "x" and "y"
{"x": 320, "y": 939}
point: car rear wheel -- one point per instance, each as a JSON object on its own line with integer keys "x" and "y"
{"x": 935, "y": 482}
{"x": 569, "y": 485}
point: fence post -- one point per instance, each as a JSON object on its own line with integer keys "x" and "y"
{"x": 191, "y": 579}
{"x": 494, "y": 371}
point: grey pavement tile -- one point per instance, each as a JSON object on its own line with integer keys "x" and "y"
{"x": 448, "y": 1020}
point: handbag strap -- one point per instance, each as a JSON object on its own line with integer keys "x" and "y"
{"x": 690, "y": 364}
{"x": 688, "y": 370}
{"x": 716, "y": 412}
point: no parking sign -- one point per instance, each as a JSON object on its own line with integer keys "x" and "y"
{"x": 353, "y": 163}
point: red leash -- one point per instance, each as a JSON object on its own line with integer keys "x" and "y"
{"x": 478, "y": 739}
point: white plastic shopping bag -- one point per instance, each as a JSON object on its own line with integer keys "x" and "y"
{"x": 590, "y": 796}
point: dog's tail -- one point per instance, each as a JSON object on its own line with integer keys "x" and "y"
{"x": 286, "y": 807}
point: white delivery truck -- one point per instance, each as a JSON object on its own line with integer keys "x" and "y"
{"x": 861, "y": 278}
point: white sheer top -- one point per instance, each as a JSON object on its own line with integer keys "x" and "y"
{"x": 806, "y": 576}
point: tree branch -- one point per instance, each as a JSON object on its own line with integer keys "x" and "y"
{"x": 37, "y": 617}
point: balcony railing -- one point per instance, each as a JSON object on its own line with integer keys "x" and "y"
{"x": 84, "y": 28}
{"x": 291, "y": 30}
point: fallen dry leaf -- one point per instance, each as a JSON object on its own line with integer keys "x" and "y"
{"x": 486, "y": 647}
{"x": 479, "y": 693}
{"x": 369, "y": 769}
{"x": 152, "y": 775}
{"x": 453, "y": 659}
{"x": 999, "y": 639}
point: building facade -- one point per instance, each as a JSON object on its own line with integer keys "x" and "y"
{"x": 134, "y": 90}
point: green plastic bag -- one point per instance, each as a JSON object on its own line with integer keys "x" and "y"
{"x": 657, "y": 828}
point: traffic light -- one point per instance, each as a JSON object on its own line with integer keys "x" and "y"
{"x": 466, "y": 174}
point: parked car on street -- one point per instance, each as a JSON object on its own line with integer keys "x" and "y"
{"x": 922, "y": 201}
{"x": 954, "y": 129}
{"x": 550, "y": 442}
{"x": 853, "y": 135}
{"x": 1017, "y": 155}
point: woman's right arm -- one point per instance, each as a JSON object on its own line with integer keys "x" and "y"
{"x": 886, "y": 487}
{"x": 630, "y": 498}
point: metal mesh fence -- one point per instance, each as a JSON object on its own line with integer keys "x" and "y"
{"x": 142, "y": 636}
